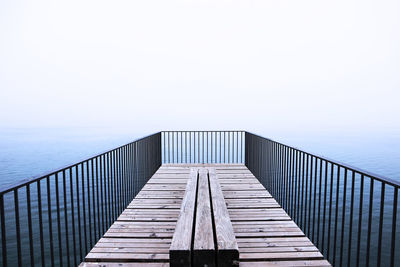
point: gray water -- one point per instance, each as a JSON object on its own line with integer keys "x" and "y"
{"x": 28, "y": 152}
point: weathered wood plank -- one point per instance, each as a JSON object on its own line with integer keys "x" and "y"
{"x": 180, "y": 254}
{"x": 125, "y": 264}
{"x": 203, "y": 246}
{"x": 281, "y": 256}
{"x": 320, "y": 263}
{"x": 125, "y": 257}
{"x": 228, "y": 251}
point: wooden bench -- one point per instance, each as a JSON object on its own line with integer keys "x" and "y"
{"x": 204, "y": 234}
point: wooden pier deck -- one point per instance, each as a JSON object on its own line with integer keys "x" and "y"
{"x": 265, "y": 234}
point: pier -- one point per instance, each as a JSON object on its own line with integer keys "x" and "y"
{"x": 202, "y": 198}
{"x": 265, "y": 234}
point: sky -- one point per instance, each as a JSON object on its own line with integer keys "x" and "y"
{"x": 160, "y": 65}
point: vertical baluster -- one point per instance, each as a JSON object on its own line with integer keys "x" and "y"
{"x": 297, "y": 185}
{"x": 39, "y": 192}
{"x": 360, "y": 220}
{"x": 163, "y": 146}
{"x": 330, "y": 212}
{"x": 115, "y": 178}
{"x": 229, "y": 147}
{"x": 132, "y": 170}
{"x": 285, "y": 178}
{"x": 243, "y": 146}
{"x": 71, "y": 189}
{"x": 207, "y": 146}
{"x": 271, "y": 169}
{"x": 306, "y": 195}
{"x": 281, "y": 168}
{"x": 123, "y": 177}
{"x": 237, "y": 147}
{"x": 371, "y": 200}
{"x": 106, "y": 182}
{"x": 315, "y": 198}
{"x": 181, "y": 161}
{"x": 79, "y": 210}
{"x": 30, "y": 234}
{"x": 3, "y": 232}
{"x": 336, "y": 215}
{"x": 351, "y": 217}
{"x": 287, "y": 191}
{"x": 277, "y": 170}
{"x": 85, "y": 235}
{"x": 49, "y": 197}
{"x": 101, "y": 183}
{"x": 60, "y": 250}
{"x": 17, "y": 227}
{"x": 126, "y": 175}
{"x": 319, "y": 202}
{"x": 302, "y": 190}
{"x": 324, "y": 213}
{"x": 97, "y": 198}
{"x": 111, "y": 179}
{"x": 293, "y": 183}
{"x": 190, "y": 147}
{"x": 66, "y": 216}
{"x": 136, "y": 167}
{"x": 220, "y": 147}
{"x": 281, "y": 178}
{"x": 310, "y": 197}
{"x": 380, "y": 227}
{"x": 109, "y": 200}
{"x": 394, "y": 222}
{"x": 343, "y": 216}
{"x": 89, "y": 206}
{"x": 173, "y": 146}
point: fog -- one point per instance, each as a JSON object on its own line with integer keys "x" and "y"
{"x": 282, "y": 66}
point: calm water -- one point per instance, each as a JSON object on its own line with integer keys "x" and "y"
{"x": 29, "y": 152}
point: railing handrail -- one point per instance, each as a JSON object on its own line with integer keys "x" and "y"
{"x": 196, "y": 131}
{"x": 32, "y": 179}
{"x": 375, "y": 176}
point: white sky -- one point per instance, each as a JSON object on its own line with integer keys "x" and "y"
{"x": 287, "y": 65}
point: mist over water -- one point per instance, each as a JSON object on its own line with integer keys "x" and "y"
{"x": 27, "y": 152}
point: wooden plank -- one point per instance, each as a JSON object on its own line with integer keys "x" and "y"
{"x": 125, "y": 257}
{"x": 139, "y": 245}
{"x": 203, "y": 247}
{"x": 228, "y": 251}
{"x": 136, "y": 240}
{"x": 179, "y": 252}
{"x": 126, "y": 264}
{"x": 279, "y": 249}
{"x": 137, "y": 250}
{"x": 281, "y": 256}
{"x": 319, "y": 263}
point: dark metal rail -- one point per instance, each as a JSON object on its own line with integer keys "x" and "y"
{"x": 203, "y": 147}
{"x": 55, "y": 219}
{"x": 349, "y": 214}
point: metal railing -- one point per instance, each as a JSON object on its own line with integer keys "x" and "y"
{"x": 55, "y": 219}
{"x": 351, "y": 215}
{"x": 203, "y": 147}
